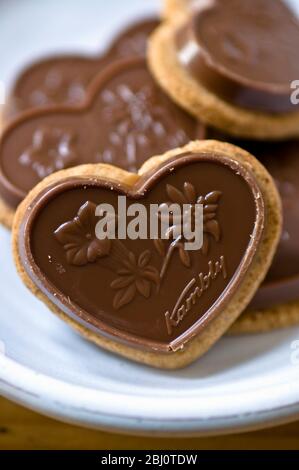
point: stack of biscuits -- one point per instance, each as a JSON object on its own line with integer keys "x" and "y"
{"x": 196, "y": 107}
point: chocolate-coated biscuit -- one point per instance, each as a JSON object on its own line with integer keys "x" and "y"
{"x": 227, "y": 72}
{"x": 276, "y": 303}
{"x": 65, "y": 79}
{"x": 126, "y": 119}
{"x": 121, "y": 300}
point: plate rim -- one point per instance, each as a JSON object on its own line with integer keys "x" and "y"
{"x": 40, "y": 393}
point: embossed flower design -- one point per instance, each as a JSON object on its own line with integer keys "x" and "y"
{"x": 137, "y": 119}
{"x": 135, "y": 276}
{"x": 79, "y": 240}
{"x": 59, "y": 89}
{"x": 189, "y": 196}
{"x": 51, "y": 150}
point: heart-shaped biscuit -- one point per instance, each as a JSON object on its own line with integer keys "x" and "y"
{"x": 64, "y": 79}
{"x": 126, "y": 120}
{"x": 151, "y": 299}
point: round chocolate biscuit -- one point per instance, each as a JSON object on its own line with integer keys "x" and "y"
{"x": 227, "y": 70}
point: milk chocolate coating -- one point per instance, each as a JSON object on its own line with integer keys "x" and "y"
{"x": 151, "y": 294}
{"x": 127, "y": 120}
{"x": 60, "y": 80}
{"x": 246, "y": 52}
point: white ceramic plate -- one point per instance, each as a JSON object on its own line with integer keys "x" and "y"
{"x": 243, "y": 383}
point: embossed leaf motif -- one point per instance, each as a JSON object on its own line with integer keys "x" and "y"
{"x": 135, "y": 277}
{"x": 160, "y": 247}
{"x": 79, "y": 239}
{"x": 211, "y": 226}
{"x": 210, "y": 223}
{"x": 51, "y": 150}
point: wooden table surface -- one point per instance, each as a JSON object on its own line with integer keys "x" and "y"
{"x": 23, "y": 429}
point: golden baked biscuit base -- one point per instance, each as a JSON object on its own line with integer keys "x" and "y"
{"x": 177, "y": 9}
